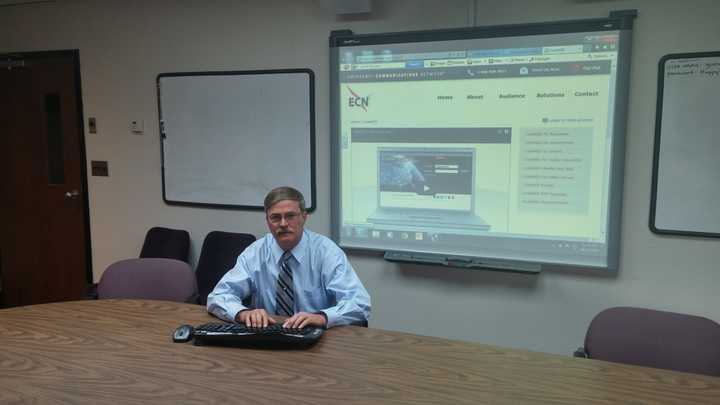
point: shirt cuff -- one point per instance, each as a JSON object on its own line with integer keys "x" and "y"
{"x": 233, "y": 310}
{"x": 331, "y": 317}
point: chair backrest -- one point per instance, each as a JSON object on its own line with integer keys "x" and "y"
{"x": 651, "y": 338}
{"x": 166, "y": 243}
{"x": 149, "y": 278}
{"x": 218, "y": 255}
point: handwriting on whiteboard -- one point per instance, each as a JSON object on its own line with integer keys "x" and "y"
{"x": 702, "y": 67}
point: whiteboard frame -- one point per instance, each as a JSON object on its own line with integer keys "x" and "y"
{"x": 311, "y": 200}
{"x": 652, "y": 221}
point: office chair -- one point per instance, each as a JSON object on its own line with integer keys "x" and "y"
{"x": 159, "y": 243}
{"x": 166, "y": 243}
{"x": 218, "y": 255}
{"x": 651, "y": 338}
{"x": 149, "y": 278}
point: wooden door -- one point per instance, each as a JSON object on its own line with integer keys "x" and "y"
{"x": 45, "y": 244}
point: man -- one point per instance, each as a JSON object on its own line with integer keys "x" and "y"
{"x": 291, "y": 271}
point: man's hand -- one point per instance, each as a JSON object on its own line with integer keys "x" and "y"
{"x": 303, "y": 319}
{"x": 254, "y": 318}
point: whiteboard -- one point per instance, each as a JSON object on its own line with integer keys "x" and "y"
{"x": 230, "y": 137}
{"x": 686, "y": 168}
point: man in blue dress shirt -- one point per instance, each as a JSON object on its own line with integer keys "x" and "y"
{"x": 319, "y": 286}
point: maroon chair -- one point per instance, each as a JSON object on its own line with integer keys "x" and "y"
{"x": 651, "y": 338}
{"x": 149, "y": 278}
{"x": 159, "y": 242}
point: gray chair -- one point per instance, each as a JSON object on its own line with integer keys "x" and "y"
{"x": 149, "y": 278}
{"x": 652, "y": 338}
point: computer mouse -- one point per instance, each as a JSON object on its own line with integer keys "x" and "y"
{"x": 183, "y": 333}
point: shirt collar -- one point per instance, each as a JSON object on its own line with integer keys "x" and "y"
{"x": 298, "y": 251}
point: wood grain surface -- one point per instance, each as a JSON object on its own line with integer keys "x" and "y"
{"x": 121, "y": 352}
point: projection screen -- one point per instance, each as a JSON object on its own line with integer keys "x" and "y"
{"x": 497, "y": 147}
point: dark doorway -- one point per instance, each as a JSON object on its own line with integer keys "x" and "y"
{"x": 44, "y": 238}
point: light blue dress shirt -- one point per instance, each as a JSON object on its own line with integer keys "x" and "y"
{"x": 323, "y": 280}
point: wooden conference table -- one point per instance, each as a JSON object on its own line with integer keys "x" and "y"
{"x": 120, "y": 351}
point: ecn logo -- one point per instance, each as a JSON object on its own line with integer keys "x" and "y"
{"x": 357, "y": 101}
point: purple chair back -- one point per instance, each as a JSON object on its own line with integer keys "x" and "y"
{"x": 651, "y": 338}
{"x": 149, "y": 278}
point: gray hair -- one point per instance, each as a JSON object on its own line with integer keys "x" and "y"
{"x": 284, "y": 193}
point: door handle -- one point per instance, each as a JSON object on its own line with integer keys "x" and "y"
{"x": 72, "y": 194}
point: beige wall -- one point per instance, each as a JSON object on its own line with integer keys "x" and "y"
{"x": 125, "y": 44}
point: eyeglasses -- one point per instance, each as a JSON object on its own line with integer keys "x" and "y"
{"x": 289, "y": 217}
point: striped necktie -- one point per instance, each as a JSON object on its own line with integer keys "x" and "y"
{"x": 284, "y": 295}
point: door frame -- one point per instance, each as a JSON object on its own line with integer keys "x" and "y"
{"x": 74, "y": 55}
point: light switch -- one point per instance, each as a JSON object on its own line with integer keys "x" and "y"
{"x": 92, "y": 128}
{"x": 137, "y": 127}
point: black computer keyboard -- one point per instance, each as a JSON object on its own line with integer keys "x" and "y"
{"x": 272, "y": 336}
